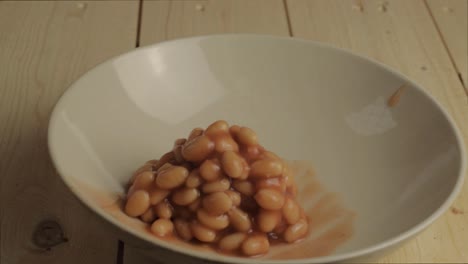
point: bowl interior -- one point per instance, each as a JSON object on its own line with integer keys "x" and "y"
{"x": 392, "y": 166}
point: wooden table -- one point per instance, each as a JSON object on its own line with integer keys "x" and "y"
{"x": 44, "y": 46}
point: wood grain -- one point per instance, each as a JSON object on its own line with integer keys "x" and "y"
{"x": 44, "y": 46}
{"x": 451, "y": 17}
{"x": 165, "y": 20}
{"x": 402, "y": 35}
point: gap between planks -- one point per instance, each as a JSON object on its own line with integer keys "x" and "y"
{"x": 444, "y": 42}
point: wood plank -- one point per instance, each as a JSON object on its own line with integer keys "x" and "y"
{"x": 165, "y": 20}
{"x": 402, "y": 35}
{"x": 451, "y": 17}
{"x": 44, "y": 46}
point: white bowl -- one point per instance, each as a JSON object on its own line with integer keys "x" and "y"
{"x": 396, "y": 164}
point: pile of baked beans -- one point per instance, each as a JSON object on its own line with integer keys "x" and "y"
{"x": 219, "y": 186}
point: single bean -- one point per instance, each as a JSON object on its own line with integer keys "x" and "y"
{"x": 149, "y": 216}
{"x": 137, "y": 203}
{"x": 162, "y": 227}
{"x": 245, "y": 187}
{"x": 220, "y": 185}
{"x": 225, "y": 143}
{"x": 278, "y": 183}
{"x": 166, "y": 158}
{"x": 198, "y": 149}
{"x": 151, "y": 162}
{"x": 164, "y": 210}
{"x": 194, "y": 179}
{"x": 144, "y": 180}
{"x": 267, "y": 220}
{"x": 182, "y": 228}
{"x": 255, "y": 245}
{"x": 239, "y": 219}
{"x": 266, "y": 168}
{"x": 157, "y": 195}
{"x": 269, "y": 199}
{"x": 247, "y": 136}
{"x": 146, "y": 167}
{"x": 235, "y": 197}
{"x": 196, "y": 132}
{"x": 217, "y": 203}
{"x": 172, "y": 177}
{"x": 233, "y": 164}
{"x": 291, "y": 211}
{"x": 218, "y": 222}
{"x": 178, "y": 154}
{"x": 234, "y": 130}
{"x": 232, "y": 242}
{"x": 210, "y": 170}
{"x": 217, "y": 128}
{"x": 201, "y": 232}
{"x": 296, "y": 231}
{"x": 180, "y": 142}
{"x": 185, "y": 196}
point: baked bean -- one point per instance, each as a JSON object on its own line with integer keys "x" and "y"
{"x": 235, "y": 197}
{"x": 164, "y": 210}
{"x": 217, "y": 128}
{"x": 217, "y": 222}
{"x": 178, "y": 154}
{"x": 239, "y": 219}
{"x": 137, "y": 203}
{"x": 225, "y": 143}
{"x": 198, "y": 149}
{"x": 245, "y": 187}
{"x": 202, "y": 232}
{"x": 296, "y": 231}
{"x": 185, "y": 196}
{"x": 164, "y": 167}
{"x": 251, "y": 153}
{"x": 196, "y": 132}
{"x": 291, "y": 211}
{"x": 182, "y": 228}
{"x": 149, "y": 216}
{"x": 220, "y": 185}
{"x": 195, "y": 205}
{"x": 266, "y": 168}
{"x": 146, "y": 167}
{"x": 194, "y": 179}
{"x": 210, "y": 170}
{"x": 157, "y": 195}
{"x": 255, "y": 245}
{"x": 232, "y": 242}
{"x": 162, "y": 227}
{"x": 217, "y": 203}
{"x": 144, "y": 180}
{"x": 234, "y": 129}
{"x": 180, "y": 142}
{"x": 233, "y": 164}
{"x": 166, "y": 158}
{"x": 267, "y": 220}
{"x": 269, "y": 199}
{"x": 277, "y": 183}
{"x": 247, "y": 136}
{"x": 172, "y": 177}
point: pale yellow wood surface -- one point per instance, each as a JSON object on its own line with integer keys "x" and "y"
{"x": 165, "y": 20}
{"x": 44, "y": 46}
{"x": 402, "y": 35}
{"x": 451, "y": 17}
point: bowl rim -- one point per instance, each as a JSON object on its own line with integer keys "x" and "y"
{"x": 388, "y": 243}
